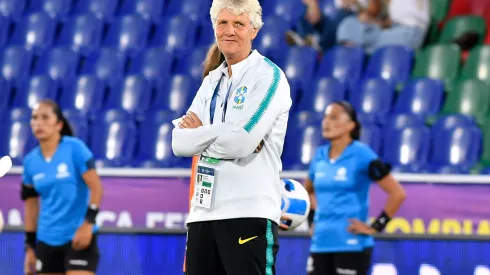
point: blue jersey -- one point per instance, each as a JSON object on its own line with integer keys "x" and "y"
{"x": 342, "y": 192}
{"x": 63, "y": 194}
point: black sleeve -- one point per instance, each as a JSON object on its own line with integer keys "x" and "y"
{"x": 28, "y": 192}
{"x": 378, "y": 170}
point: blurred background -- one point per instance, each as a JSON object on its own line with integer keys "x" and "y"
{"x": 123, "y": 69}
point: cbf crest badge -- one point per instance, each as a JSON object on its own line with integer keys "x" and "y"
{"x": 240, "y": 97}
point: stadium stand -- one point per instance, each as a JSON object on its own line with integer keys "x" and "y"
{"x": 122, "y": 69}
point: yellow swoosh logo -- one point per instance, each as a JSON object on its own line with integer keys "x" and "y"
{"x": 240, "y": 241}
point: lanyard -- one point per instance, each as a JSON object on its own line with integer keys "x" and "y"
{"x": 213, "y": 102}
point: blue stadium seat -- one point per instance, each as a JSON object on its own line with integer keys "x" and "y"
{"x": 324, "y": 91}
{"x": 85, "y": 94}
{"x": 149, "y": 9}
{"x": 421, "y": 97}
{"x": 328, "y": 8}
{"x": 12, "y": 8}
{"x": 371, "y": 135}
{"x": 132, "y": 94}
{"x": 455, "y": 150}
{"x": 54, "y": 8}
{"x": 303, "y": 119}
{"x": 194, "y": 10}
{"x": 104, "y": 9}
{"x": 448, "y": 122}
{"x": 177, "y": 34}
{"x": 128, "y": 33}
{"x": 407, "y": 148}
{"x": 60, "y": 63}
{"x": 37, "y": 88}
{"x": 16, "y": 139}
{"x": 82, "y": 32}
{"x": 15, "y": 63}
{"x": 113, "y": 138}
{"x": 270, "y": 40}
{"x": 4, "y": 30}
{"x": 372, "y": 99}
{"x": 300, "y": 146}
{"x": 107, "y": 64}
{"x": 205, "y": 34}
{"x": 175, "y": 94}
{"x": 343, "y": 63}
{"x": 5, "y": 95}
{"x": 298, "y": 65}
{"x": 34, "y": 31}
{"x": 78, "y": 122}
{"x": 392, "y": 63}
{"x": 291, "y": 10}
{"x": 154, "y": 63}
{"x": 155, "y": 142}
{"x": 193, "y": 64}
{"x": 400, "y": 121}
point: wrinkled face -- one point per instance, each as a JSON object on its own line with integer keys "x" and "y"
{"x": 234, "y": 34}
{"x": 44, "y": 123}
{"x": 336, "y": 123}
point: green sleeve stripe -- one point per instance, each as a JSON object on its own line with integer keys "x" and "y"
{"x": 264, "y": 104}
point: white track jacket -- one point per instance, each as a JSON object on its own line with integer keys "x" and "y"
{"x": 248, "y": 183}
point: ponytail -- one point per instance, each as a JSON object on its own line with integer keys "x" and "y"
{"x": 214, "y": 58}
{"x": 66, "y": 130}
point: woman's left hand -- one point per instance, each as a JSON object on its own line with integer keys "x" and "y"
{"x": 358, "y": 227}
{"x": 83, "y": 237}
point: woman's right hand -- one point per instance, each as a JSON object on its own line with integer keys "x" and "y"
{"x": 30, "y": 262}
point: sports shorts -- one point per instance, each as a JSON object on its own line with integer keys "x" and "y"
{"x": 340, "y": 263}
{"x": 245, "y": 246}
{"x": 59, "y": 259}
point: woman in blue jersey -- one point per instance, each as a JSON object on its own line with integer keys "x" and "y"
{"x": 338, "y": 183}
{"x": 62, "y": 193}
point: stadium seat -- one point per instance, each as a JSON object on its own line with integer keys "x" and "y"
{"x": 400, "y": 121}
{"x": 205, "y": 34}
{"x": 149, "y": 9}
{"x": 78, "y": 122}
{"x": 12, "y": 8}
{"x": 128, "y": 33}
{"x": 15, "y": 63}
{"x": 407, "y": 148}
{"x": 103, "y": 9}
{"x": 303, "y": 119}
{"x": 455, "y": 150}
{"x": 4, "y": 30}
{"x": 34, "y": 31}
{"x": 478, "y": 64}
{"x": 291, "y": 10}
{"x": 16, "y": 139}
{"x": 154, "y": 63}
{"x": 448, "y": 122}
{"x": 323, "y": 92}
{"x": 439, "y": 9}
{"x": 270, "y": 40}
{"x": 54, "y": 8}
{"x": 392, "y": 63}
{"x": 485, "y": 158}
{"x": 60, "y": 63}
{"x": 372, "y": 99}
{"x": 132, "y": 94}
{"x": 175, "y": 94}
{"x": 438, "y": 62}
{"x": 107, "y": 64}
{"x": 459, "y": 25}
{"x": 300, "y": 146}
{"x": 6, "y": 93}
{"x": 193, "y": 64}
{"x": 85, "y": 94}
{"x": 421, "y": 97}
{"x": 343, "y": 63}
{"x": 34, "y": 90}
{"x": 177, "y": 34}
{"x": 371, "y": 135}
{"x": 82, "y": 32}
{"x": 470, "y": 97}
{"x": 328, "y": 8}
{"x": 195, "y": 10}
{"x": 113, "y": 138}
{"x": 155, "y": 142}
{"x": 298, "y": 65}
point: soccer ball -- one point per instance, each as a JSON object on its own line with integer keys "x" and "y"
{"x": 295, "y": 203}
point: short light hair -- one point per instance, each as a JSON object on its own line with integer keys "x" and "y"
{"x": 237, "y": 7}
